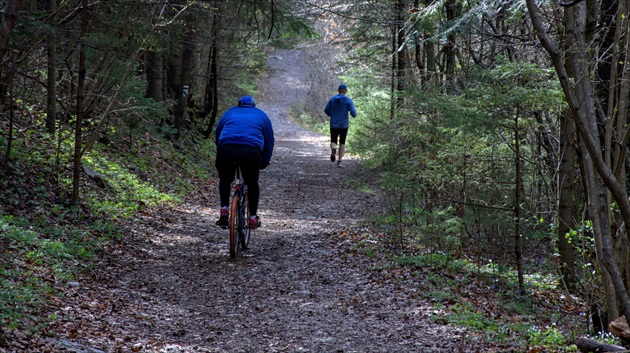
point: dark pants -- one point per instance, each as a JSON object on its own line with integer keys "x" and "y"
{"x": 249, "y": 158}
{"x": 338, "y": 134}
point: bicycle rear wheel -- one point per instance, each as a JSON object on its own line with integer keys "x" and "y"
{"x": 244, "y": 236}
{"x": 235, "y": 223}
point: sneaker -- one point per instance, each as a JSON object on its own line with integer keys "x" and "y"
{"x": 332, "y": 155}
{"x": 254, "y": 222}
{"x": 340, "y": 164}
{"x": 224, "y": 218}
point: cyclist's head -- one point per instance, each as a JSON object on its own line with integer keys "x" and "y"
{"x": 246, "y": 101}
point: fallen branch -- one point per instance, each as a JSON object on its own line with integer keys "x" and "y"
{"x": 587, "y": 345}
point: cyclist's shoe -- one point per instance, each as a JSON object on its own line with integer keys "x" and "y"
{"x": 224, "y": 219}
{"x": 340, "y": 164}
{"x": 254, "y": 222}
{"x": 332, "y": 155}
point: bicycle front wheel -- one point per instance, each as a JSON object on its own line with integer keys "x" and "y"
{"x": 235, "y": 223}
{"x": 244, "y": 236}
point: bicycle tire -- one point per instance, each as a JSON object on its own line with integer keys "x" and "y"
{"x": 234, "y": 225}
{"x": 244, "y": 236}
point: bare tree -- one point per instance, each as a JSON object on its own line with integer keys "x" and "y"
{"x": 573, "y": 62}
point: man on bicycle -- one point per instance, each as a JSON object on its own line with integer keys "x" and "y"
{"x": 244, "y": 137}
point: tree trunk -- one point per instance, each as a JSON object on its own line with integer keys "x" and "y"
{"x": 430, "y": 54}
{"x": 401, "y": 52}
{"x": 188, "y": 47}
{"x": 7, "y": 154}
{"x": 212, "y": 88}
{"x": 76, "y": 176}
{"x": 449, "y": 47}
{"x": 10, "y": 13}
{"x": 154, "y": 72}
{"x": 566, "y": 167}
{"x": 419, "y": 50}
{"x": 598, "y": 212}
{"x": 606, "y": 71}
{"x": 51, "y": 98}
{"x": 392, "y": 88}
{"x": 620, "y": 114}
{"x": 518, "y": 241}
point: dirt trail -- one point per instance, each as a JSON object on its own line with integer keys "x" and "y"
{"x": 172, "y": 287}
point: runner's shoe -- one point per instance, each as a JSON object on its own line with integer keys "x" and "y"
{"x": 332, "y": 155}
{"x": 254, "y": 222}
{"x": 224, "y": 218}
{"x": 340, "y": 164}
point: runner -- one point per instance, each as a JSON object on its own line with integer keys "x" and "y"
{"x": 337, "y": 109}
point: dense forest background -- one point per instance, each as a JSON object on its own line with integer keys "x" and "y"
{"x": 499, "y": 129}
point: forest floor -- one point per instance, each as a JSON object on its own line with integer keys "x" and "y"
{"x": 171, "y": 286}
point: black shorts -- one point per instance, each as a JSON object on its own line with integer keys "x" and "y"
{"x": 338, "y": 134}
{"x": 231, "y": 156}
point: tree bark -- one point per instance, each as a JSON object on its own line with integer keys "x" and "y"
{"x": 212, "y": 88}
{"x": 606, "y": 71}
{"x": 7, "y": 154}
{"x": 51, "y": 98}
{"x": 155, "y": 78}
{"x": 401, "y": 52}
{"x": 620, "y": 239}
{"x": 392, "y": 88}
{"x": 188, "y": 47}
{"x": 430, "y": 55}
{"x": 76, "y": 175}
{"x": 10, "y": 13}
{"x": 518, "y": 241}
{"x": 452, "y": 12}
{"x": 566, "y": 180}
{"x": 419, "y": 48}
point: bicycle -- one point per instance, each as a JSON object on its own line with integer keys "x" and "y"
{"x": 239, "y": 215}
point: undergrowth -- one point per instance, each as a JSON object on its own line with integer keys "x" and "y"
{"x": 47, "y": 245}
{"x": 482, "y": 296}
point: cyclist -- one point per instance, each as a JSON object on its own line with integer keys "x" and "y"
{"x": 337, "y": 109}
{"x": 244, "y": 136}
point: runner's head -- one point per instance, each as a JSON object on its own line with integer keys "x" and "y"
{"x": 343, "y": 88}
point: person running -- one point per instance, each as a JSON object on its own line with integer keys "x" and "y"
{"x": 244, "y": 136}
{"x": 337, "y": 109}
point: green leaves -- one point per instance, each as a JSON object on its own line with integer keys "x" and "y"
{"x": 129, "y": 193}
{"x": 511, "y": 85}
{"x": 36, "y": 262}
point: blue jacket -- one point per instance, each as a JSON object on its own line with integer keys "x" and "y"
{"x": 246, "y": 125}
{"x": 337, "y": 109}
